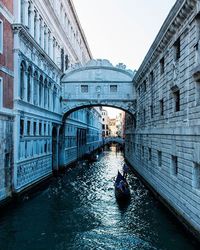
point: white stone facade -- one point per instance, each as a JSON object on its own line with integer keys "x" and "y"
{"x": 47, "y": 40}
{"x": 162, "y": 140}
{"x": 83, "y": 134}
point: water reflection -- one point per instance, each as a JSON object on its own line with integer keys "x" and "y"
{"x": 79, "y": 211}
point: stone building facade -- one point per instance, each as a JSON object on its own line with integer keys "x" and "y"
{"x": 48, "y": 39}
{"x": 6, "y": 98}
{"x": 163, "y": 139}
{"x": 83, "y": 134}
{"x": 105, "y": 123}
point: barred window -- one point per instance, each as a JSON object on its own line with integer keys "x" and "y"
{"x": 113, "y": 88}
{"x": 84, "y": 88}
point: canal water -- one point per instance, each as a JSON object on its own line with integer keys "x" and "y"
{"x": 78, "y": 211}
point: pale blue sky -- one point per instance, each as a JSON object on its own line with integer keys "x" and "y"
{"x": 122, "y": 30}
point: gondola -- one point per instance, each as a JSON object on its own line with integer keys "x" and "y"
{"x": 122, "y": 191}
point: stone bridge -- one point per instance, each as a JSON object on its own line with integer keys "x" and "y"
{"x": 113, "y": 139}
{"x": 98, "y": 83}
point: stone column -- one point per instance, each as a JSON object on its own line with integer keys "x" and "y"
{"x": 32, "y": 86}
{"x": 54, "y": 50}
{"x": 25, "y": 85}
{"x": 25, "y": 9}
{"x": 51, "y": 45}
{"x": 46, "y": 39}
{"x": 31, "y": 28}
{"x": 42, "y": 33}
{"x": 37, "y": 27}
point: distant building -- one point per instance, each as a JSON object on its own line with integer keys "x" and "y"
{"x": 105, "y": 123}
{"x": 120, "y": 121}
{"x": 112, "y": 127}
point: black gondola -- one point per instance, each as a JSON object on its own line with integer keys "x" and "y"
{"x": 121, "y": 187}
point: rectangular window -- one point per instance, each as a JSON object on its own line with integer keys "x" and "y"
{"x": 198, "y": 93}
{"x": 113, "y": 88}
{"x": 1, "y": 36}
{"x": 174, "y": 165}
{"x": 176, "y": 100}
{"x": 159, "y": 159}
{"x": 28, "y": 127}
{"x": 177, "y": 49}
{"x": 144, "y": 115}
{"x": 150, "y": 154}
{"x": 34, "y": 128}
{"x": 161, "y": 107}
{"x": 162, "y": 66}
{"x": 196, "y": 176}
{"x": 44, "y": 129}
{"x": 151, "y": 77}
{"x": 143, "y": 152}
{"x": 145, "y": 85}
{"x": 40, "y": 128}
{"x": 21, "y": 127}
{"x": 151, "y": 110}
{"x": 84, "y": 88}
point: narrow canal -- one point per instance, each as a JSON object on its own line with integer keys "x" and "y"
{"x": 78, "y": 210}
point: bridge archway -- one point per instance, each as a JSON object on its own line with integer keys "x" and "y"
{"x": 98, "y": 83}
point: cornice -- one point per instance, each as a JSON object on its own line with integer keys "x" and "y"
{"x": 181, "y": 10}
{"x": 80, "y": 28}
{"x": 22, "y": 30}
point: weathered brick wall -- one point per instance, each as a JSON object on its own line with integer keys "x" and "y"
{"x": 8, "y": 4}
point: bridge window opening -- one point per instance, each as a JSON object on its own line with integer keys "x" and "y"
{"x": 174, "y": 165}
{"x": 84, "y": 88}
{"x": 159, "y": 159}
{"x": 113, "y": 88}
{"x": 196, "y": 176}
{"x": 162, "y": 66}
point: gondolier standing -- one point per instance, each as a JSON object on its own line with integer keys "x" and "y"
{"x": 125, "y": 170}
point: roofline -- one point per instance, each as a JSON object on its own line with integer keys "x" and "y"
{"x": 80, "y": 28}
{"x": 175, "y": 10}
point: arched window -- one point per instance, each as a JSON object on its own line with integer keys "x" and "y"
{"x": 22, "y": 79}
{"x": 45, "y": 93}
{"x": 22, "y": 12}
{"x": 35, "y": 89}
{"x": 54, "y": 97}
{"x": 29, "y": 78}
{"x": 29, "y": 15}
{"x": 35, "y": 23}
{"x": 40, "y": 90}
